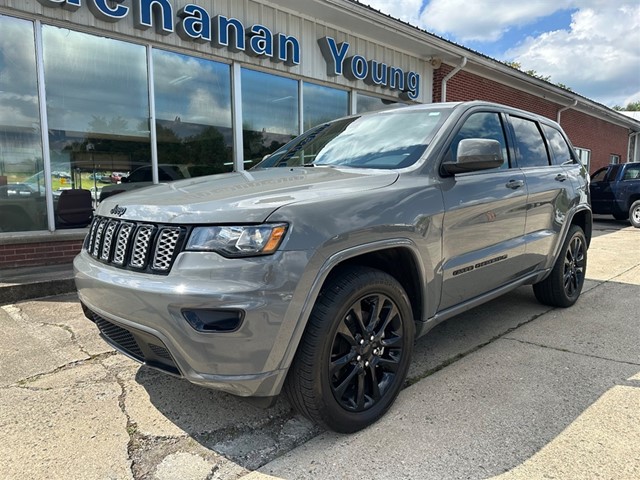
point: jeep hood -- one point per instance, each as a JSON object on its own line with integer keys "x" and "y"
{"x": 248, "y": 197}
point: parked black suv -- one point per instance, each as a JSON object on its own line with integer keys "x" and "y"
{"x": 316, "y": 270}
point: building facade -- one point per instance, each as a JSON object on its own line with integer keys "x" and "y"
{"x": 95, "y": 90}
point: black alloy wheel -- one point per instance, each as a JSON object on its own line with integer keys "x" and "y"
{"x": 355, "y": 352}
{"x": 366, "y": 352}
{"x": 563, "y": 285}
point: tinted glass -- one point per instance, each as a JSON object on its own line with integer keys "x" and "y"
{"x": 22, "y": 192}
{"x": 531, "y": 147}
{"x": 269, "y": 113}
{"x": 632, "y": 172}
{"x": 487, "y": 125}
{"x": 193, "y": 112}
{"x": 367, "y": 103}
{"x": 599, "y": 175}
{"x": 323, "y": 104}
{"x": 560, "y": 150}
{"x": 387, "y": 141}
{"x": 98, "y": 108}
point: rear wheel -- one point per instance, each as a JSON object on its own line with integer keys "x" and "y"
{"x": 355, "y": 353}
{"x": 563, "y": 286}
{"x": 634, "y": 214}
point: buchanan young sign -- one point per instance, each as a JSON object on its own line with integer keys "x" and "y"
{"x": 195, "y": 23}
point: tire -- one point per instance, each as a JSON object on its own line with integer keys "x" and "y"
{"x": 634, "y": 214}
{"x": 563, "y": 286}
{"x": 353, "y": 358}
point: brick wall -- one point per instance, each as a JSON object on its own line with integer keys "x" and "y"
{"x": 585, "y": 131}
{"x": 43, "y": 253}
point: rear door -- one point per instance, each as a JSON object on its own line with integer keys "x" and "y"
{"x": 484, "y": 218}
{"x": 550, "y": 190}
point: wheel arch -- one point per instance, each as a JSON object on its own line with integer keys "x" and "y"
{"x": 391, "y": 256}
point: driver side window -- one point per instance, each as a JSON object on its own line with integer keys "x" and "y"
{"x": 486, "y": 125}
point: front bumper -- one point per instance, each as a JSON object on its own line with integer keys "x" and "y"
{"x": 141, "y": 315}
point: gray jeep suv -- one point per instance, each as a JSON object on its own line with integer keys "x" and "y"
{"x": 314, "y": 272}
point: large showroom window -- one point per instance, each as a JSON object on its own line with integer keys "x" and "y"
{"x": 322, "y": 104}
{"x": 22, "y": 191}
{"x": 97, "y": 108}
{"x": 269, "y": 113}
{"x": 368, "y": 103}
{"x": 193, "y": 115}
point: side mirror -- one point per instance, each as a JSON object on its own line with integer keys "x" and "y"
{"x": 475, "y": 154}
{"x": 124, "y": 180}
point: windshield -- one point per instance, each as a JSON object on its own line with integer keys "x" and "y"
{"x": 387, "y": 140}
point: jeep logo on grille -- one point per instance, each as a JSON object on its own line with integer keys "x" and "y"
{"x": 118, "y": 210}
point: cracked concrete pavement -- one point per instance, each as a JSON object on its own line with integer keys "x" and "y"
{"x": 511, "y": 388}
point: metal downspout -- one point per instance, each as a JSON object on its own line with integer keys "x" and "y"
{"x": 575, "y": 102}
{"x": 443, "y": 97}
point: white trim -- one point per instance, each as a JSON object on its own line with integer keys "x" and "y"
{"x": 153, "y": 134}
{"x": 236, "y": 116}
{"x": 44, "y": 127}
{"x": 300, "y": 107}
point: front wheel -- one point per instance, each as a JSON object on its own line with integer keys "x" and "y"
{"x": 563, "y": 286}
{"x": 355, "y": 352}
{"x": 634, "y": 214}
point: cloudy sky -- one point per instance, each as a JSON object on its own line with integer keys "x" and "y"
{"x": 591, "y": 46}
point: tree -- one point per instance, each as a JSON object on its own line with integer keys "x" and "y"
{"x": 631, "y": 107}
{"x": 533, "y": 73}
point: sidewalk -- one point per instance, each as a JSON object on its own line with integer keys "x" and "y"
{"x": 24, "y": 283}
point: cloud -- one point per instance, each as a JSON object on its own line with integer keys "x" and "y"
{"x": 406, "y": 10}
{"x": 597, "y": 56}
{"x": 484, "y": 20}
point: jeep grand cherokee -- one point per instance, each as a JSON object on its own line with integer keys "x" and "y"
{"x": 314, "y": 272}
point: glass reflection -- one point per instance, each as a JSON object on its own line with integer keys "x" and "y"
{"x": 22, "y": 191}
{"x": 98, "y": 109}
{"x": 323, "y": 104}
{"x": 193, "y": 111}
{"x": 269, "y": 112}
{"x": 367, "y": 103}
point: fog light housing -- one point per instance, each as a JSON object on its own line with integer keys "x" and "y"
{"x": 211, "y": 321}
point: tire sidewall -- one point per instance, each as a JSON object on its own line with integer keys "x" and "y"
{"x": 635, "y": 208}
{"x": 573, "y": 233}
{"x": 330, "y": 409}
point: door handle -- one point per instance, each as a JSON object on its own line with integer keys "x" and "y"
{"x": 514, "y": 184}
{"x": 561, "y": 177}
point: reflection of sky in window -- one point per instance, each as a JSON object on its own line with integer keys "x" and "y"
{"x": 530, "y": 142}
{"x": 89, "y": 77}
{"x": 191, "y": 89}
{"x": 269, "y": 103}
{"x": 372, "y": 135}
{"x": 322, "y": 104}
{"x": 18, "y": 88}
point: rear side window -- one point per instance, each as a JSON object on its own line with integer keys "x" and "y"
{"x": 560, "y": 150}
{"x": 632, "y": 172}
{"x": 531, "y": 147}
{"x": 486, "y": 125}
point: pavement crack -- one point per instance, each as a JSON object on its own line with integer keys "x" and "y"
{"x": 24, "y": 383}
{"x": 416, "y": 378}
{"x": 132, "y": 427}
{"x": 564, "y": 350}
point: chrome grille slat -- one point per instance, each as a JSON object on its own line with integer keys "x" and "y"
{"x": 108, "y": 239}
{"x": 143, "y": 246}
{"x": 122, "y": 243}
{"x": 164, "y": 249}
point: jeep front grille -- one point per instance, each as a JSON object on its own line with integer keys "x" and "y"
{"x": 139, "y": 246}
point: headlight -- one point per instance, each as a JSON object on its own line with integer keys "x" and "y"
{"x": 237, "y": 241}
